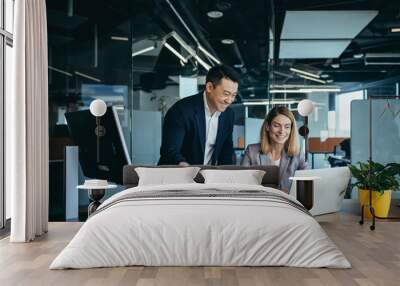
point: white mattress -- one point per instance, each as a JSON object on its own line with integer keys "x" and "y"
{"x": 202, "y": 231}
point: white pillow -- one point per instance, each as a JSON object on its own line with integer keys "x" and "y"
{"x": 249, "y": 177}
{"x": 166, "y": 176}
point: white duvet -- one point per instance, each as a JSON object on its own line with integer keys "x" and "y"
{"x": 185, "y": 231}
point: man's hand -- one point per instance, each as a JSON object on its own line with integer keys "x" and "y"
{"x": 184, "y": 164}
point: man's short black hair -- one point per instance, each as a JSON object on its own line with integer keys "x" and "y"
{"x": 217, "y": 73}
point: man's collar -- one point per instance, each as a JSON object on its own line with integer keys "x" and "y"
{"x": 207, "y": 108}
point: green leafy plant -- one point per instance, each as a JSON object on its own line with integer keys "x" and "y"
{"x": 375, "y": 176}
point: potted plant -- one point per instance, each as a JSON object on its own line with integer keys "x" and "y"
{"x": 381, "y": 179}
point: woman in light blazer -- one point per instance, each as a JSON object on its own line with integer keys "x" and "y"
{"x": 278, "y": 146}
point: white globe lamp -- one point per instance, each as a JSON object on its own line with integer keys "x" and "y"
{"x": 305, "y": 107}
{"x": 98, "y": 108}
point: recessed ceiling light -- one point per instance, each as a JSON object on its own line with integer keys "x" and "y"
{"x": 116, "y": 38}
{"x": 329, "y": 80}
{"x": 215, "y": 14}
{"x": 227, "y": 41}
{"x": 395, "y": 30}
{"x": 324, "y": 75}
{"x": 358, "y": 56}
{"x": 335, "y": 66}
{"x": 239, "y": 66}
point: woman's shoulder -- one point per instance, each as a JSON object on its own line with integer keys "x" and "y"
{"x": 295, "y": 157}
{"x": 254, "y": 147}
{"x": 299, "y": 159}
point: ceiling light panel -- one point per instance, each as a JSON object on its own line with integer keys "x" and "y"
{"x": 215, "y": 14}
{"x": 320, "y": 34}
{"x": 312, "y": 49}
{"x": 325, "y": 24}
{"x": 227, "y": 41}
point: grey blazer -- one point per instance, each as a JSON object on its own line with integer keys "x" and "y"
{"x": 287, "y": 166}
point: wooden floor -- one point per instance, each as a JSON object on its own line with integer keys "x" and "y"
{"x": 374, "y": 255}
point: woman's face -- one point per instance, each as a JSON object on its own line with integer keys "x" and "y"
{"x": 279, "y": 131}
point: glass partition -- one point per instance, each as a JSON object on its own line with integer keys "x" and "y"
{"x": 143, "y": 56}
{"x": 379, "y": 138}
{"x": 89, "y": 49}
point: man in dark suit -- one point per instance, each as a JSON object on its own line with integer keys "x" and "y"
{"x": 198, "y": 129}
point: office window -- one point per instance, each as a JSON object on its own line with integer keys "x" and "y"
{"x": 7, "y": 90}
{"x": 6, "y": 40}
{"x": 1, "y": 133}
{"x": 9, "y": 15}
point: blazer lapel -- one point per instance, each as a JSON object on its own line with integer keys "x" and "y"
{"x": 220, "y": 137}
{"x": 283, "y": 164}
{"x": 201, "y": 123}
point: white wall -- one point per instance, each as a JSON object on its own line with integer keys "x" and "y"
{"x": 343, "y": 112}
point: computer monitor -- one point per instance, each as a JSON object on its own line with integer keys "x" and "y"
{"x": 113, "y": 152}
{"x": 329, "y": 189}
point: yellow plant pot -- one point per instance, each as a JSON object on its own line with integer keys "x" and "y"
{"x": 381, "y": 203}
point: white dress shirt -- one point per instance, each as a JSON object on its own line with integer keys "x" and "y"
{"x": 211, "y": 131}
{"x": 274, "y": 162}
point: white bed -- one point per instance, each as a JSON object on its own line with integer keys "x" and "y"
{"x": 224, "y": 225}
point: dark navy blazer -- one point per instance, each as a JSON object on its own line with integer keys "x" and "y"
{"x": 184, "y": 134}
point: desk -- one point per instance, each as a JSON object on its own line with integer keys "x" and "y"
{"x": 305, "y": 190}
{"x": 316, "y": 146}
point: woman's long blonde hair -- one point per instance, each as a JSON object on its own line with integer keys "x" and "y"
{"x": 291, "y": 145}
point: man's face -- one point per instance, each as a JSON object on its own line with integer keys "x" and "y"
{"x": 222, "y": 95}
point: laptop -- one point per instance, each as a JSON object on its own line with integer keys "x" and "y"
{"x": 329, "y": 190}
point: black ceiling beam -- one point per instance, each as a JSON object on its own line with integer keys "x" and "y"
{"x": 198, "y": 30}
